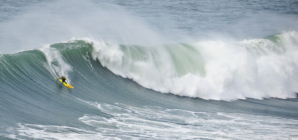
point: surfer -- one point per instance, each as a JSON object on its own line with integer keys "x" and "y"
{"x": 63, "y": 79}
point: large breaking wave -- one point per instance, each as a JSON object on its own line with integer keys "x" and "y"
{"x": 217, "y": 70}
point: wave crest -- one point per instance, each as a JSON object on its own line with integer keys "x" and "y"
{"x": 217, "y": 70}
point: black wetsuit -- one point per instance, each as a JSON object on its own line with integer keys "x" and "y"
{"x": 63, "y": 79}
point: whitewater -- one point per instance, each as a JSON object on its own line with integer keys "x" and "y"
{"x": 149, "y": 69}
{"x": 210, "y": 69}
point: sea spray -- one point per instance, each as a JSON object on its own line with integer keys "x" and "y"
{"x": 56, "y": 65}
{"x": 217, "y": 70}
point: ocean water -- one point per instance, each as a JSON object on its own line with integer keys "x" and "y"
{"x": 149, "y": 69}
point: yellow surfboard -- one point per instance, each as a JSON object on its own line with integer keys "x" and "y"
{"x": 66, "y": 84}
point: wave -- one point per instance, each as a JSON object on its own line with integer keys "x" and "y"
{"x": 216, "y": 70}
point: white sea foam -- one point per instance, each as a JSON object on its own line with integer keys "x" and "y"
{"x": 34, "y": 131}
{"x": 152, "y": 122}
{"x": 218, "y": 70}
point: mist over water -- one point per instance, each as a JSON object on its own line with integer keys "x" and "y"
{"x": 29, "y": 25}
{"x": 52, "y": 22}
{"x": 149, "y": 69}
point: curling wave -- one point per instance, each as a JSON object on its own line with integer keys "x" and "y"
{"x": 218, "y": 70}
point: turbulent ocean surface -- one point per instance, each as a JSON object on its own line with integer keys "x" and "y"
{"x": 149, "y": 69}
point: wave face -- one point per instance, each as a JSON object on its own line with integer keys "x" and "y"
{"x": 105, "y": 105}
{"x": 217, "y": 70}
